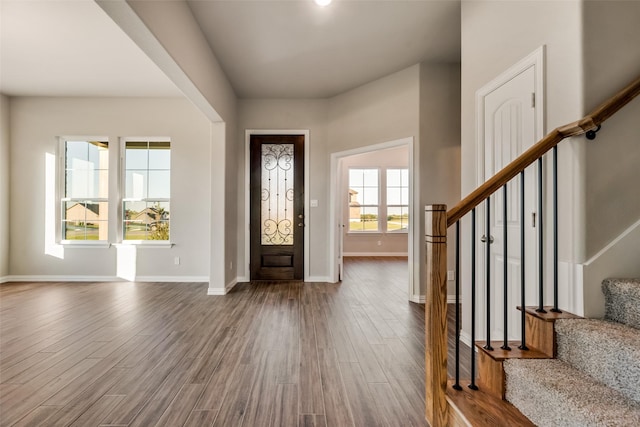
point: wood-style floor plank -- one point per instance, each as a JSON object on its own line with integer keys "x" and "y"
{"x": 266, "y": 354}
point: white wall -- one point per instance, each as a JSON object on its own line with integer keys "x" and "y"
{"x": 496, "y": 35}
{"x": 4, "y": 186}
{"x": 367, "y": 243}
{"x": 35, "y": 124}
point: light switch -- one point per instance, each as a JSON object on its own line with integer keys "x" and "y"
{"x": 314, "y": 203}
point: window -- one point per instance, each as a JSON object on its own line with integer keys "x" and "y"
{"x": 85, "y": 193}
{"x": 146, "y": 202}
{"x": 363, "y": 200}
{"x": 397, "y": 199}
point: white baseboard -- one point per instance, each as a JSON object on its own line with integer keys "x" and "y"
{"x": 189, "y": 279}
{"x": 223, "y": 291}
{"x": 421, "y": 299}
{"x": 322, "y": 279}
{"x": 418, "y": 299}
{"x": 4, "y": 279}
{"x": 374, "y": 254}
{"x": 243, "y": 279}
{"x": 61, "y": 278}
{"x": 465, "y": 338}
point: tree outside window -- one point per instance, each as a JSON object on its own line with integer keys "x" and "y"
{"x": 146, "y": 205}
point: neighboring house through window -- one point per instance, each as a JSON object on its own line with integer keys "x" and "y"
{"x": 85, "y": 192}
{"x": 363, "y": 200}
{"x": 378, "y": 202}
{"x": 147, "y": 178}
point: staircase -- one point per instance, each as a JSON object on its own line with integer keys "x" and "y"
{"x": 564, "y": 370}
{"x": 595, "y": 378}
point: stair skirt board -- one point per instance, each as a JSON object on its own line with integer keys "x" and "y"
{"x": 552, "y": 393}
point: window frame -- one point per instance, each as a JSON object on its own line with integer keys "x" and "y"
{"x": 378, "y": 206}
{"x": 122, "y": 199}
{"x": 386, "y": 201}
{"x": 382, "y": 201}
{"x": 62, "y": 199}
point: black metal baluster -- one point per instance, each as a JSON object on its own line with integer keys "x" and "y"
{"x": 555, "y": 308}
{"x": 540, "y": 308}
{"x": 488, "y": 271}
{"x": 505, "y": 345}
{"x": 457, "y": 307}
{"x": 473, "y": 385}
{"x": 523, "y": 317}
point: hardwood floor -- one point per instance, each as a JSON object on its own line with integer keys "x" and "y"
{"x": 166, "y": 354}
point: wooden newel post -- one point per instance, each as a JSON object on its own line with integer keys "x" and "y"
{"x": 436, "y": 315}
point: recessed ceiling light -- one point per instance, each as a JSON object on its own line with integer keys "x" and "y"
{"x": 322, "y": 3}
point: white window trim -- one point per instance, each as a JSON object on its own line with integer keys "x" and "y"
{"x": 60, "y": 191}
{"x": 122, "y": 191}
{"x": 378, "y": 206}
{"x": 382, "y": 205}
{"x": 387, "y": 206}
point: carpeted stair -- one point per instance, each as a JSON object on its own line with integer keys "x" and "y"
{"x": 595, "y": 380}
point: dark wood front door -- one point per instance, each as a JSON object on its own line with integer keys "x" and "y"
{"x": 277, "y": 207}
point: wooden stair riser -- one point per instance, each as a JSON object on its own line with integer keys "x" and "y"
{"x": 491, "y": 375}
{"x": 539, "y": 334}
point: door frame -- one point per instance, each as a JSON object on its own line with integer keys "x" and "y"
{"x": 247, "y": 194}
{"x": 336, "y": 205}
{"x": 536, "y": 59}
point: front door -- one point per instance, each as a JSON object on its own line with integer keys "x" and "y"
{"x": 509, "y": 130}
{"x": 277, "y": 207}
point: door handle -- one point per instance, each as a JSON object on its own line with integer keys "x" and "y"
{"x": 483, "y": 239}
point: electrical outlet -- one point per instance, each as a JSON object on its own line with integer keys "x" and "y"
{"x": 451, "y": 275}
{"x": 379, "y": 242}
{"x": 176, "y": 260}
{"x": 231, "y": 265}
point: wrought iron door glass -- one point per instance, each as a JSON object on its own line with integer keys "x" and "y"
{"x": 277, "y": 193}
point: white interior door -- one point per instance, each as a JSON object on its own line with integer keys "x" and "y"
{"x": 509, "y": 130}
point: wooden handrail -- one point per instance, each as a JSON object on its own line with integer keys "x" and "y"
{"x": 553, "y": 138}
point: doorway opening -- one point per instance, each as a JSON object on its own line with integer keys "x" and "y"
{"x": 371, "y": 197}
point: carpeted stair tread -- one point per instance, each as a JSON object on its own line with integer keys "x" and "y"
{"x": 622, "y": 301}
{"x": 607, "y": 351}
{"x": 552, "y": 393}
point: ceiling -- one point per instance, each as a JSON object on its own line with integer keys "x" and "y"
{"x": 268, "y": 49}
{"x": 72, "y": 48}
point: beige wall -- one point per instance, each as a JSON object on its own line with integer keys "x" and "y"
{"x": 181, "y": 51}
{"x": 612, "y": 60}
{"x": 4, "y": 186}
{"x": 385, "y": 110}
{"x": 289, "y": 115}
{"x": 495, "y": 36}
{"x": 35, "y": 124}
{"x": 381, "y": 111}
{"x": 438, "y": 157}
{"x": 390, "y": 243}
